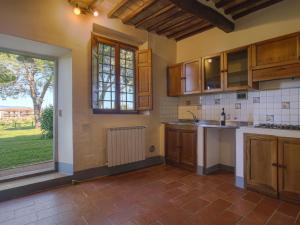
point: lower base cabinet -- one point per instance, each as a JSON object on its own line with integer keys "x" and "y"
{"x": 181, "y": 147}
{"x": 272, "y": 166}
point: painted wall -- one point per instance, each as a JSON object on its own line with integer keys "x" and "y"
{"x": 282, "y": 18}
{"x": 52, "y": 22}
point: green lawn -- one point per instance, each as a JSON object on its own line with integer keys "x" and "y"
{"x": 23, "y": 146}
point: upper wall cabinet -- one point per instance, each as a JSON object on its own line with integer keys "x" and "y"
{"x": 191, "y": 81}
{"x": 212, "y": 78}
{"x": 174, "y": 78}
{"x": 277, "y": 58}
{"x": 237, "y": 69}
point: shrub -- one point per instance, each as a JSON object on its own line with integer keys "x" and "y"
{"x": 47, "y": 122}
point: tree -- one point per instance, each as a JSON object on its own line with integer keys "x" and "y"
{"x": 25, "y": 75}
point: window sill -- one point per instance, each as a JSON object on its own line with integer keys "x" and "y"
{"x": 99, "y": 111}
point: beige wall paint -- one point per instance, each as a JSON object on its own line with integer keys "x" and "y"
{"x": 52, "y": 22}
{"x": 282, "y": 18}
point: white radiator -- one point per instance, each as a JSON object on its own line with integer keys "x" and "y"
{"x": 125, "y": 145}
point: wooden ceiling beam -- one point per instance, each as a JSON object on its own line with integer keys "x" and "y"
{"x": 255, "y": 8}
{"x": 208, "y": 27}
{"x": 180, "y": 25}
{"x": 117, "y": 6}
{"x": 222, "y": 3}
{"x": 188, "y": 29}
{"x": 240, "y": 6}
{"x": 200, "y": 10}
{"x": 159, "y": 13}
{"x": 166, "y": 20}
{"x": 141, "y": 9}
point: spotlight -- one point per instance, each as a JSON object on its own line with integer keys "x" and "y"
{"x": 77, "y": 10}
{"x": 95, "y": 13}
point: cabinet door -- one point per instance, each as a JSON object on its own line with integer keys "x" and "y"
{"x": 237, "y": 73}
{"x": 289, "y": 169}
{"x": 192, "y": 78}
{"x": 188, "y": 157}
{"x": 174, "y": 80}
{"x": 172, "y": 145}
{"x": 211, "y": 74}
{"x": 276, "y": 52}
{"x": 261, "y": 163}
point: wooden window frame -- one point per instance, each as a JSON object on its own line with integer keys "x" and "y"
{"x": 117, "y": 45}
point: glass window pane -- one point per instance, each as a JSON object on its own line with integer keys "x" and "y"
{"x": 123, "y": 106}
{"x": 130, "y": 89}
{"x": 122, "y": 88}
{"x": 129, "y": 73}
{"x": 130, "y": 106}
{"x": 129, "y": 64}
{"x": 123, "y": 63}
{"x": 130, "y": 97}
{"x": 123, "y": 97}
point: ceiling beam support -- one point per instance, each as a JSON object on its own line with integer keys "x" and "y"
{"x": 194, "y": 32}
{"x": 222, "y": 3}
{"x": 240, "y": 6}
{"x": 116, "y": 8}
{"x": 255, "y": 8}
{"x": 200, "y": 10}
{"x": 141, "y": 9}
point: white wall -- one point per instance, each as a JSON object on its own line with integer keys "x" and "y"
{"x": 53, "y": 22}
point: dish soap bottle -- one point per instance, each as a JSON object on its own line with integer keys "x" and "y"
{"x": 223, "y": 118}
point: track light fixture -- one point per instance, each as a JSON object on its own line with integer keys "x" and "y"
{"x": 83, "y": 8}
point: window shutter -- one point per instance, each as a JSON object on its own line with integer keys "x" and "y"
{"x": 144, "y": 80}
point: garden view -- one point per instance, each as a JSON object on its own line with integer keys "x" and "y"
{"x": 26, "y": 110}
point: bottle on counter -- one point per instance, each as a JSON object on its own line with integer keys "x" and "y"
{"x": 223, "y": 118}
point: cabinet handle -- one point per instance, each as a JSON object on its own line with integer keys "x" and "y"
{"x": 183, "y": 78}
{"x": 275, "y": 164}
{"x": 281, "y": 68}
{"x": 282, "y": 166}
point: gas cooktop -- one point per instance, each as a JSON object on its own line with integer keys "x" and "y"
{"x": 278, "y": 126}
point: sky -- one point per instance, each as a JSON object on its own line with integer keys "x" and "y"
{"x": 26, "y": 101}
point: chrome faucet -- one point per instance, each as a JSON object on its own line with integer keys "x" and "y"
{"x": 194, "y": 116}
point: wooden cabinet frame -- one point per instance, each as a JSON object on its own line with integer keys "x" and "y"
{"x": 250, "y": 84}
{"x": 221, "y": 74}
{"x": 254, "y": 52}
{"x": 179, "y": 162}
{"x": 284, "y": 170}
{"x": 199, "y": 79}
{"x": 178, "y": 83}
{"x": 271, "y": 189}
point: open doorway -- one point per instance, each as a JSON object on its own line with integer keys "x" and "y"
{"x": 27, "y": 113}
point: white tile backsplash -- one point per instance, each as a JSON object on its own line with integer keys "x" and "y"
{"x": 280, "y": 106}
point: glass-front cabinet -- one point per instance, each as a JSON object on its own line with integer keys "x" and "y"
{"x": 211, "y": 73}
{"x": 236, "y": 69}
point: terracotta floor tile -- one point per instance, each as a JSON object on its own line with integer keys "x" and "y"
{"x": 281, "y": 219}
{"x": 226, "y": 218}
{"x": 242, "y": 207}
{"x": 194, "y": 206}
{"x": 160, "y": 195}
{"x": 289, "y": 209}
{"x": 253, "y": 197}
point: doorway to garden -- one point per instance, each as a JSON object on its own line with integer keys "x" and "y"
{"x": 27, "y": 114}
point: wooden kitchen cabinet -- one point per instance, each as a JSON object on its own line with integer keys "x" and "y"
{"x": 276, "y": 58}
{"x": 172, "y": 145}
{"x": 212, "y": 74}
{"x": 174, "y": 77}
{"x": 289, "y": 169}
{"x": 260, "y": 163}
{"x": 237, "y": 69}
{"x": 192, "y": 77}
{"x": 181, "y": 147}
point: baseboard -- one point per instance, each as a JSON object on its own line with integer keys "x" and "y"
{"x": 218, "y": 167}
{"x": 20, "y": 191}
{"x": 239, "y": 182}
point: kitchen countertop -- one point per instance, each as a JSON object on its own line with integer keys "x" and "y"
{"x": 209, "y": 124}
